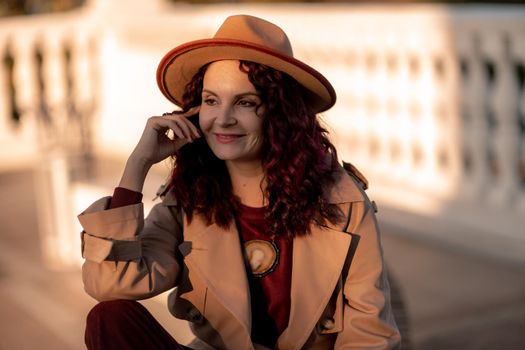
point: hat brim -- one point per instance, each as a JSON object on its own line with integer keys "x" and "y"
{"x": 179, "y": 65}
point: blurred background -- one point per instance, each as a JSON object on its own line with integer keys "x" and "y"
{"x": 431, "y": 108}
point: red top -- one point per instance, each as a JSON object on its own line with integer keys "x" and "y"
{"x": 270, "y": 294}
{"x": 122, "y": 197}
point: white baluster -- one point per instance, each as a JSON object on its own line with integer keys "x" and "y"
{"x": 450, "y": 128}
{"x": 18, "y": 148}
{"x": 423, "y": 123}
{"x": 519, "y": 51}
{"x": 505, "y": 140}
{"x": 403, "y": 170}
{"x": 475, "y": 128}
{"x": 54, "y": 202}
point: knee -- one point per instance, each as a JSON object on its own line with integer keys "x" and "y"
{"x": 112, "y": 313}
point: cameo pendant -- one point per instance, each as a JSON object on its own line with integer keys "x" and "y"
{"x": 262, "y": 256}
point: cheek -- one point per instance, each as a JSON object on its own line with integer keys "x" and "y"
{"x": 257, "y": 127}
{"x": 204, "y": 120}
{"x": 251, "y": 122}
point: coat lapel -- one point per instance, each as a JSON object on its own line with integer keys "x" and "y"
{"x": 318, "y": 259}
{"x": 317, "y": 263}
{"x": 216, "y": 256}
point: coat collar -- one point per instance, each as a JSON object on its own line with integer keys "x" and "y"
{"x": 217, "y": 256}
{"x": 345, "y": 189}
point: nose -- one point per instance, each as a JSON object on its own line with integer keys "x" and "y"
{"x": 225, "y": 117}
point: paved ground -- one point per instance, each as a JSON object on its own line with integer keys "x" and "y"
{"x": 455, "y": 300}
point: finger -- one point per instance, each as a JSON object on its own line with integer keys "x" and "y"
{"x": 190, "y": 129}
{"x": 194, "y": 130}
{"x": 193, "y": 111}
{"x": 173, "y": 144}
{"x": 177, "y": 131}
{"x": 162, "y": 124}
{"x": 182, "y": 123}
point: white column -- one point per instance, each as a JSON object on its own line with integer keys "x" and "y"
{"x": 60, "y": 243}
{"x": 519, "y": 54}
{"x": 504, "y": 105}
{"x": 475, "y": 128}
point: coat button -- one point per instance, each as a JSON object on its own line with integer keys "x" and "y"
{"x": 327, "y": 324}
{"x": 194, "y": 315}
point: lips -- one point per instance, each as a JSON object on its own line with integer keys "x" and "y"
{"x": 227, "y": 138}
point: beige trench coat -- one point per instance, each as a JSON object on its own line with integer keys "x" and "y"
{"x": 127, "y": 257}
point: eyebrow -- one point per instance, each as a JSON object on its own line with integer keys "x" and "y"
{"x": 244, "y": 94}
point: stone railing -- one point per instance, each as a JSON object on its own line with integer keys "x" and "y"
{"x": 432, "y": 108}
{"x": 48, "y": 98}
{"x": 430, "y": 98}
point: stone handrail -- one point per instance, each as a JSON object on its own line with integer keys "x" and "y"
{"x": 430, "y": 104}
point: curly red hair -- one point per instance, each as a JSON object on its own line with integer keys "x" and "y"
{"x": 298, "y": 159}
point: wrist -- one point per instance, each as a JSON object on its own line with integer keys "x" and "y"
{"x": 138, "y": 163}
{"x": 135, "y": 174}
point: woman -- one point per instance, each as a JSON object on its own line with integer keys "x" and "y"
{"x": 270, "y": 243}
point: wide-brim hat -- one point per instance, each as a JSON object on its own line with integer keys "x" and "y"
{"x": 248, "y": 38}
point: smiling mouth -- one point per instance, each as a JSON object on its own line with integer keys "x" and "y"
{"x": 228, "y": 138}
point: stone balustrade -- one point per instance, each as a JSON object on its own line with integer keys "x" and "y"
{"x": 48, "y": 99}
{"x": 431, "y": 103}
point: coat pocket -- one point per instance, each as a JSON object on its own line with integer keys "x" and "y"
{"x": 188, "y": 300}
{"x": 190, "y": 306}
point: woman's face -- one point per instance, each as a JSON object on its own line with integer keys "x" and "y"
{"x": 229, "y": 116}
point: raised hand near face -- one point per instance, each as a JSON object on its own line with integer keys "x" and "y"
{"x": 155, "y": 145}
{"x": 158, "y": 143}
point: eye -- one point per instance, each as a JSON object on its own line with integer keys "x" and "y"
{"x": 247, "y": 103}
{"x": 210, "y": 101}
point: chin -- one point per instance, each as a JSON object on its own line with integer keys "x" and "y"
{"x": 224, "y": 153}
{"x": 232, "y": 157}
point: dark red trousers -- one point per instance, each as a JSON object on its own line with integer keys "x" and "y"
{"x": 126, "y": 324}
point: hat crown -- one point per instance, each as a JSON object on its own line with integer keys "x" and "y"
{"x": 255, "y": 31}
{"x": 246, "y": 38}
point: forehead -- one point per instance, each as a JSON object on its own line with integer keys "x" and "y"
{"x": 227, "y": 75}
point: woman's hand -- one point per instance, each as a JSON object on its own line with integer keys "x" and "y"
{"x": 155, "y": 145}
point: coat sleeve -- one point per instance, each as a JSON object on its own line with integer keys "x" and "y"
{"x": 367, "y": 314}
{"x": 127, "y": 257}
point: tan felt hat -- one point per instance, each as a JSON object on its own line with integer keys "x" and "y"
{"x": 248, "y": 38}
